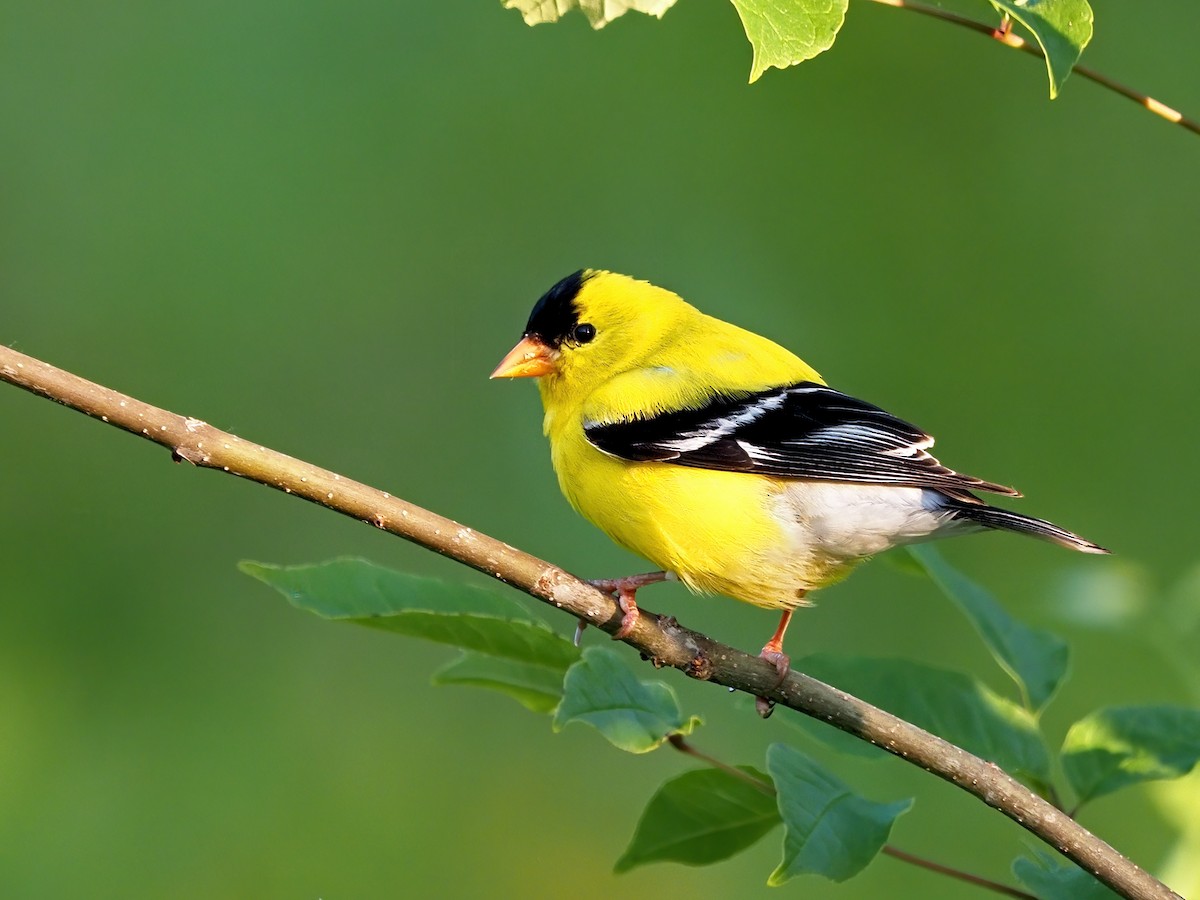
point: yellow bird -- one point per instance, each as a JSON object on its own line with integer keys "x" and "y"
{"x": 723, "y": 458}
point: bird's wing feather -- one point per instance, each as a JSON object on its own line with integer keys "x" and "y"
{"x": 804, "y": 430}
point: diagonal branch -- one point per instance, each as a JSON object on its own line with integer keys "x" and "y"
{"x": 1017, "y": 42}
{"x": 661, "y": 639}
{"x": 680, "y": 743}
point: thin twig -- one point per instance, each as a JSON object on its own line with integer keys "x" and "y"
{"x": 1009, "y": 39}
{"x": 680, "y": 743}
{"x": 663, "y": 640}
{"x": 976, "y": 880}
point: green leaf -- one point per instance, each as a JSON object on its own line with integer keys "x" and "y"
{"x": 786, "y": 32}
{"x": 830, "y": 830}
{"x": 1050, "y": 881}
{"x": 1116, "y": 747}
{"x": 354, "y": 590}
{"x": 702, "y": 817}
{"x": 1062, "y": 29}
{"x": 901, "y": 560}
{"x": 948, "y": 704}
{"x": 1036, "y": 660}
{"x": 537, "y": 688}
{"x": 633, "y": 715}
{"x": 599, "y": 12}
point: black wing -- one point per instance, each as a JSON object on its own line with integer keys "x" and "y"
{"x": 804, "y": 430}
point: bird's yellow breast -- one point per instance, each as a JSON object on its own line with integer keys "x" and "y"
{"x": 710, "y": 528}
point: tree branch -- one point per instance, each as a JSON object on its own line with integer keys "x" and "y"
{"x": 662, "y": 640}
{"x": 1017, "y": 42}
{"x": 680, "y": 743}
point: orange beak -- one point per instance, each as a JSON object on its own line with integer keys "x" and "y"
{"x": 529, "y": 359}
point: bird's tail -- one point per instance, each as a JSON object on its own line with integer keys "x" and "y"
{"x": 994, "y": 517}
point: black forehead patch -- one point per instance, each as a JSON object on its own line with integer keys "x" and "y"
{"x": 555, "y": 316}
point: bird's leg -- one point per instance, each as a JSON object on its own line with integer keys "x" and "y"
{"x": 773, "y": 653}
{"x": 625, "y": 591}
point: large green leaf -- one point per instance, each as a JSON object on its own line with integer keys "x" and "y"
{"x": 1037, "y": 660}
{"x": 948, "y": 704}
{"x": 830, "y": 830}
{"x": 702, "y": 817}
{"x": 599, "y": 12}
{"x": 354, "y": 590}
{"x": 634, "y": 715}
{"x": 786, "y": 32}
{"x": 537, "y": 688}
{"x": 1112, "y": 748}
{"x": 1062, "y": 29}
{"x": 1049, "y": 880}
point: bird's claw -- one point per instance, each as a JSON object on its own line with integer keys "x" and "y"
{"x": 780, "y": 660}
{"x": 783, "y": 664}
{"x": 625, "y": 591}
{"x": 631, "y": 613}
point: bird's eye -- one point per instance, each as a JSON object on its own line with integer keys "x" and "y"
{"x": 583, "y": 333}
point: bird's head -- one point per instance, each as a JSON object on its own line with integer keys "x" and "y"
{"x": 591, "y": 326}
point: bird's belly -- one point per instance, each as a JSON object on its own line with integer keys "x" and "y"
{"x": 712, "y": 529}
{"x": 838, "y": 524}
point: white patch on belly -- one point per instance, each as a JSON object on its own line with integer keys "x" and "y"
{"x": 845, "y": 521}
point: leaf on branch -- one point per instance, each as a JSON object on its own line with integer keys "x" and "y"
{"x": 1116, "y": 747}
{"x": 1062, "y": 29}
{"x": 830, "y": 830}
{"x": 787, "y": 32}
{"x": 949, "y": 704}
{"x": 1037, "y": 660}
{"x": 1050, "y": 881}
{"x": 702, "y": 817}
{"x": 462, "y": 615}
{"x": 537, "y": 688}
{"x": 633, "y": 715}
{"x": 599, "y": 12}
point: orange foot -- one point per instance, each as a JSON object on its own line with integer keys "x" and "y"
{"x": 773, "y": 653}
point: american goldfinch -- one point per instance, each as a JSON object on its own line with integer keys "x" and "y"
{"x": 726, "y": 460}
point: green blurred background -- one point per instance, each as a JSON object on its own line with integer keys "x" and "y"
{"x": 320, "y": 225}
